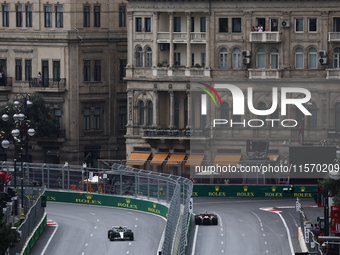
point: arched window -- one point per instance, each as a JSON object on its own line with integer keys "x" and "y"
{"x": 141, "y": 113}
{"x": 139, "y": 57}
{"x": 186, "y": 111}
{"x": 312, "y": 58}
{"x": 336, "y": 58}
{"x": 261, "y": 58}
{"x": 150, "y": 113}
{"x": 299, "y": 58}
{"x": 263, "y": 106}
{"x": 274, "y": 58}
{"x": 236, "y": 58}
{"x": 225, "y": 112}
{"x": 176, "y": 112}
{"x": 312, "y": 108}
{"x": 148, "y": 57}
{"x": 337, "y": 116}
{"x": 224, "y": 58}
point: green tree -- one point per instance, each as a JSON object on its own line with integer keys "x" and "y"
{"x": 333, "y": 187}
{"x": 37, "y": 116}
{"x": 7, "y": 235}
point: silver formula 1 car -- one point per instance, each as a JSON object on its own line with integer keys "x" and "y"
{"x": 206, "y": 219}
{"x": 120, "y": 233}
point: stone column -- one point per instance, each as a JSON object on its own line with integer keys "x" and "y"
{"x": 171, "y": 57}
{"x": 189, "y": 109}
{"x": 155, "y": 44}
{"x": 207, "y": 44}
{"x": 130, "y": 39}
{"x": 172, "y": 108}
{"x": 156, "y": 107}
{"x": 188, "y": 39}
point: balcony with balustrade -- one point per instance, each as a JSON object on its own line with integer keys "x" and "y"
{"x": 264, "y": 73}
{"x": 265, "y": 37}
{"x": 334, "y": 37}
{"x": 162, "y": 72}
{"x": 333, "y": 73}
{"x": 48, "y": 84}
{"x": 6, "y": 84}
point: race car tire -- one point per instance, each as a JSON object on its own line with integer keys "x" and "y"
{"x": 215, "y": 221}
{"x": 198, "y": 220}
{"x": 131, "y": 237}
{"x": 109, "y": 233}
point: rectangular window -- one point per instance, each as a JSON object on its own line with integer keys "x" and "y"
{"x": 28, "y": 15}
{"x": 5, "y": 16}
{"x": 86, "y": 16}
{"x": 203, "y": 59}
{"x": 203, "y": 25}
{"x": 299, "y": 25}
{"x": 177, "y": 24}
{"x": 97, "y": 16}
{"x": 122, "y": 118}
{"x": 59, "y": 16}
{"x": 87, "y": 70}
{"x": 177, "y": 58}
{"x": 121, "y": 16}
{"x": 57, "y": 115}
{"x": 336, "y": 24}
{"x": 236, "y": 25}
{"x": 312, "y": 25}
{"x": 138, "y": 24}
{"x": 28, "y": 69}
{"x": 223, "y": 22}
{"x": 261, "y": 22}
{"x": 45, "y": 73}
{"x": 19, "y": 15}
{"x": 147, "y": 24}
{"x": 122, "y": 71}
{"x": 86, "y": 119}
{"x": 97, "y": 70}
{"x": 192, "y": 59}
{"x": 3, "y": 65}
{"x": 96, "y": 119}
{"x": 48, "y": 16}
{"x": 274, "y": 25}
{"x": 148, "y": 59}
{"x": 192, "y": 24}
{"x": 56, "y": 70}
{"x": 18, "y": 70}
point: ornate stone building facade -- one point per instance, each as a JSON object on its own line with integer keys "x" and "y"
{"x": 80, "y": 49}
{"x": 170, "y": 43}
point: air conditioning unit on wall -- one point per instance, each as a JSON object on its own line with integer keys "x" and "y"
{"x": 246, "y": 53}
{"x": 323, "y": 61}
{"x": 322, "y": 53}
{"x": 246, "y": 61}
{"x": 285, "y": 23}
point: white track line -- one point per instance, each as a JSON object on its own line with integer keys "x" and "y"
{"x": 195, "y": 237}
{"x": 288, "y": 232}
{"x": 50, "y": 239}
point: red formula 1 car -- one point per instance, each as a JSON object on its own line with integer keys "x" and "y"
{"x": 206, "y": 219}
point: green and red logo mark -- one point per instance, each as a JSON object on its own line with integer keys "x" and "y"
{"x": 209, "y": 93}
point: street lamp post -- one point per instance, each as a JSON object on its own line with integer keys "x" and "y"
{"x": 20, "y": 135}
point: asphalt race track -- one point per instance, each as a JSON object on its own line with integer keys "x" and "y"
{"x": 82, "y": 230}
{"x": 246, "y": 229}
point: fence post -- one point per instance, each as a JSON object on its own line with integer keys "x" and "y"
{"x": 158, "y": 189}
{"x": 121, "y": 182}
{"x": 148, "y": 187}
{"x": 136, "y": 187}
{"x": 42, "y": 174}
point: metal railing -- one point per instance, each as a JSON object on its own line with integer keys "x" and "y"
{"x": 309, "y": 237}
{"x": 172, "y": 190}
{"x": 33, "y": 217}
{"x": 48, "y": 82}
{"x": 6, "y": 81}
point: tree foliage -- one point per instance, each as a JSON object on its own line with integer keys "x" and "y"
{"x": 7, "y": 235}
{"x": 333, "y": 187}
{"x": 37, "y": 117}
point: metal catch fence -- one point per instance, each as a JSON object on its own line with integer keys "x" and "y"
{"x": 173, "y": 190}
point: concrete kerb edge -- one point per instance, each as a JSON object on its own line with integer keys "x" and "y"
{"x": 303, "y": 245}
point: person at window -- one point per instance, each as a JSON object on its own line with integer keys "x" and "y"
{"x": 39, "y": 79}
{"x": 3, "y": 78}
{"x": 260, "y": 28}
